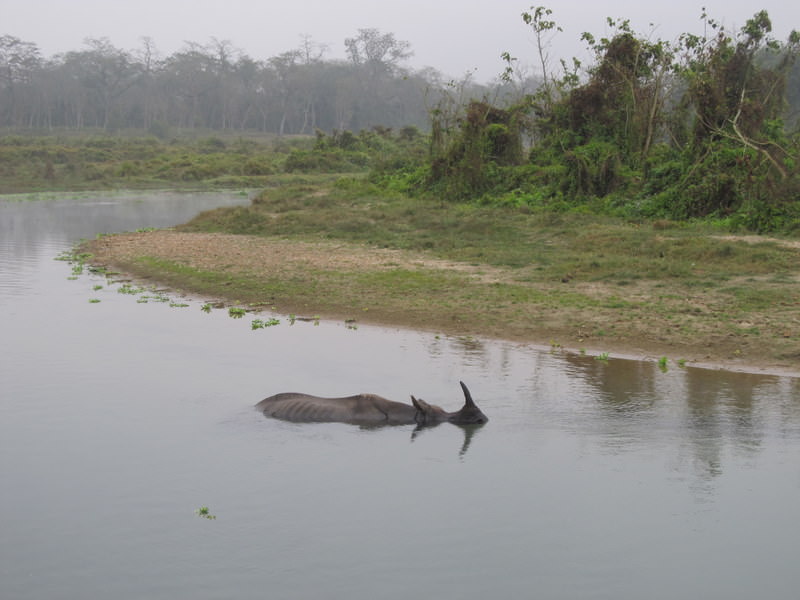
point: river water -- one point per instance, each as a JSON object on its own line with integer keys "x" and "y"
{"x": 122, "y": 415}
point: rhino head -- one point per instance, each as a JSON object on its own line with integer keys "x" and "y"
{"x": 430, "y": 414}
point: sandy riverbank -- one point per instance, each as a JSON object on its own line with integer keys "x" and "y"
{"x": 388, "y": 286}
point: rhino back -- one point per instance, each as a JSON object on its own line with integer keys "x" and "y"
{"x": 364, "y": 409}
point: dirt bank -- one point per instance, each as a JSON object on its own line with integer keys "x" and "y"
{"x": 388, "y": 286}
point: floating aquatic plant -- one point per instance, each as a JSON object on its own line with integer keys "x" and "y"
{"x": 127, "y": 288}
{"x": 261, "y": 324}
{"x": 204, "y": 512}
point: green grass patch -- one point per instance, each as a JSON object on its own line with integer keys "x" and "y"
{"x": 521, "y": 274}
{"x": 761, "y": 296}
{"x": 576, "y": 246}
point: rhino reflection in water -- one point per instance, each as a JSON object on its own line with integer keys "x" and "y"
{"x": 368, "y": 409}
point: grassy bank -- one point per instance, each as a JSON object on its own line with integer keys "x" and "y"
{"x": 34, "y": 163}
{"x": 351, "y": 251}
{"x": 77, "y": 161}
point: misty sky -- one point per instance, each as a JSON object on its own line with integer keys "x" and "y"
{"x": 453, "y": 36}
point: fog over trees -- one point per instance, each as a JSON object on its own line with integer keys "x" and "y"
{"x": 705, "y": 125}
{"x": 214, "y": 85}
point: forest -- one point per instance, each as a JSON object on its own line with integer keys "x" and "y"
{"x": 704, "y": 126}
{"x": 215, "y": 86}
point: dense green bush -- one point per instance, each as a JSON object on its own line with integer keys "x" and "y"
{"x": 683, "y": 131}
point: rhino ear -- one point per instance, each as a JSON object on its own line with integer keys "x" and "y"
{"x": 468, "y": 401}
{"x": 420, "y": 405}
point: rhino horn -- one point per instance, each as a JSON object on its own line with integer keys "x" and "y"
{"x": 467, "y": 396}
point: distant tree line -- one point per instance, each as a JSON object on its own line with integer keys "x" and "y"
{"x": 215, "y": 86}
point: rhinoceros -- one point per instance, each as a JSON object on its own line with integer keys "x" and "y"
{"x": 367, "y": 409}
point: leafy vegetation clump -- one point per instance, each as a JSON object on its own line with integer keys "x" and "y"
{"x": 684, "y": 130}
{"x": 466, "y": 162}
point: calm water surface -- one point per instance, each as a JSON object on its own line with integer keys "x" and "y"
{"x": 119, "y": 419}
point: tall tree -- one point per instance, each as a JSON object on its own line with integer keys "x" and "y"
{"x": 376, "y": 57}
{"x": 149, "y": 108}
{"x": 286, "y": 66}
{"x": 108, "y": 72}
{"x": 19, "y": 60}
{"x": 190, "y": 77}
{"x": 380, "y": 53}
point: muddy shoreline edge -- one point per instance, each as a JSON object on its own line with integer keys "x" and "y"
{"x": 296, "y": 277}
